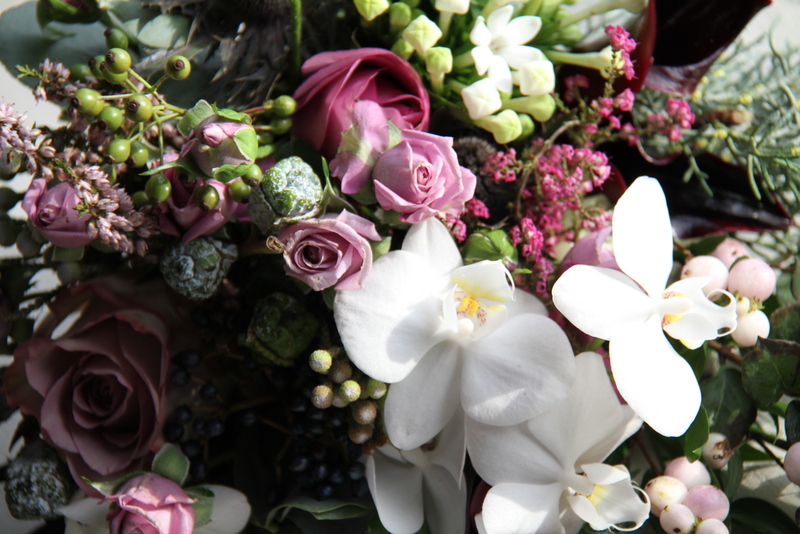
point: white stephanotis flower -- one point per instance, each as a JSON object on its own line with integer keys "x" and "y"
{"x": 499, "y": 45}
{"x": 447, "y": 335}
{"x": 534, "y": 466}
{"x": 422, "y": 484}
{"x": 633, "y": 308}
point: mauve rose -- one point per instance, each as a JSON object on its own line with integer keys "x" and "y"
{"x": 53, "y": 212}
{"x": 330, "y": 251}
{"x": 150, "y": 504}
{"x": 420, "y": 177}
{"x": 98, "y": 388}
{"x": 182, "y": 212}
{"x": 335, "y": 81}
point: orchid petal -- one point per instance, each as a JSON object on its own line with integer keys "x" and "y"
{"x": 393, "y": 320}
{"x": 654, "y": 379}
{"x": 524, "y": 368}
{"x": 612, "y": 504}
{"x": 445, "y": 501}
{"x": 431, "y": 389}
{"x": 601, "y": 302}
{"x": 485, "y": 279}
{"x": 524, "y": 302}
{"x": 432, "y": 241}
{"x": 396, "y": 489}
{"x": 642, "y": 235}
{"x": 498, "y": 20}
{"x": 603, "y": 474}
{"x": 450, "y": 450}
{"x": 518, "y": 31}
{"x": 523, "y": 508}
{"x": 479, "y": 524}
{"x": 229, "y": 513}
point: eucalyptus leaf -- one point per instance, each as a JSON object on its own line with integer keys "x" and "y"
{"x": 379, "y": 248}
{"x": 771, "y": 369}
{"x": 165, "y": 31}
{"x": 754, "y": 515}
{"x": 696, "y": 436}
{"x": 169, "y": 462}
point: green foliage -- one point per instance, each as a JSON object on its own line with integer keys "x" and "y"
{"x": 169, "y": 462}
{"x": 785, "y": 321}
{"x": 486, "y": 244}
{"x": 770, "y": 370}
{"x": 731, "y": 411}
{"x": 793, "y": 421}
{"x": 696, "y": 436}
{"x": 750, "y": 515}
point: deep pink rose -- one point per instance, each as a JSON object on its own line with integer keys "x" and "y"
{"x": 420, "y": 177}
{"x": 150, "y": 504}
{"x": 181, "y": 212}
{"x": 335, "y": 81}
{"x": 330, "y": 251}
{"x": 98, "y": 388}
{"x": 53, "y": 212}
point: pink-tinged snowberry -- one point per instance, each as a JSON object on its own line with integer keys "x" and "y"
{"x": 677, "y": 519}
{"x": 663, "y": 491}
{"x": 690, "y": 473}
{"x": 717, "y": 450}
{"x": 792, "y": 463}
{"x": 750, "y": 327}
{"x": 707, "y": 502}
{"x": 711, "y": 526}
{"x": 730, "y": 250}
{"x": 752, "y": 278}
{"x": 707, "y": 266}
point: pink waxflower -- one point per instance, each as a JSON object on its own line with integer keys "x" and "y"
{"x": 150, "y": 504}
{"x": 53, "y": 212}
{"x": 331, "y": 251}
{"x": 335, "y": 81}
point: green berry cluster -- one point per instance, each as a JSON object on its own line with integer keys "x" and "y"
{"x": 274, "y": 119}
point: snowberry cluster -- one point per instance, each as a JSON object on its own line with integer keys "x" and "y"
{"x": 751, "y": 281}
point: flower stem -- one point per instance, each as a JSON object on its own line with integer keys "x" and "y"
{"x": 296, "y": 39}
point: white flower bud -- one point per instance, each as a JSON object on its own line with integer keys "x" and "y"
{"x": 422, "y": 34}
{"x": 541, "y": 107}
{"x": 505, "y": 126}
{"x": 752, "y": 278}
{"x": 439, "y": 59}
{"x": 690, "y": 473}
{"x": 663, "y": 491}
{"x": 717, "y": 450}
{"x": 403, "y": 49}
{"x": 371, "y": 9}
{"x": 707, "y": 502}
{"x": 707, "y": 266}
{"x": 537, "y": 78}
{"x": 481, "y": 98}
{"x": 677, "y": 518}
{"x": 750, "y": 327}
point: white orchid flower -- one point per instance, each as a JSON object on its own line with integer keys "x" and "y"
{"x": 534, "y": 467}
{"x": 448, "y": 336}
{"x": 633, "y": 308}
{"x": 499, "y": 45}
{"x": 423, "y": 484}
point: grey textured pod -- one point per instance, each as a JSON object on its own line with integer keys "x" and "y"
{"x": 289, "y": 192}
{"x": 197, "y": 268}
{"x": 38, "y": 483}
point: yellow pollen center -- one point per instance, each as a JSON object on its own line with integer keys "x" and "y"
{"x": 669, "y": 318}
{"x": 469, "y": 305}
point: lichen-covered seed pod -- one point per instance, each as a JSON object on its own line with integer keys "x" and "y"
{"x": 197, "y": 268}
{"x": 289, "y": 192}
{"x": 281, "y": 329}
{"x": 37, "y": 483}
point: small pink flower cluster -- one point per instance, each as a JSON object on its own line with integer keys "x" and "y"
{"x": 623, "y": 45}
{"x": 532, "y": 241}
{"x": 678, "y": 116}
{"x": 606, "y": 106}
{"x": 501, "y": 166}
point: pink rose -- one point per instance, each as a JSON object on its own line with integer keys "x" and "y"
{"x": 182, "y": 211}
{"x": 420, "y": 177}
{"x": 150, "y": 504}
{"x": 330, "y": 251}
{"x": 590, "y": 251}
{"x": 214, "y": 143}
{"x": 53, "y": 212}
{"x": 335, "y": 81}
{"x": 98, "y": 389}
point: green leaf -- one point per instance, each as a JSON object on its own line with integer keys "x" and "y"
{"x": 785, "y": 322}
{"x": 110, "y": 487}
{"x": 229, "y": 171}
{"x": 379, "y": 248}
{"x": 695, "y": 357}
{"x": 732, "y": 476}
{"x": 796, "y": 281}
{"x": 203, "y": 505}
{"x": 696, "y": 436}
{"x": 490, "y": 245}
{"x": 751, "y": 454}
{"x": 793, "y": 421}
{"x": 232, "y": 114}
{"x": 67, "y": 254}
{"x": 707, "y": 245}
{"x": 331, "y": 509}
{"x": 731, "y": 411}
{"x": 783, "y": 289}
{"x": 169, "y": 462}
{"x": 264, "y": 151}
{"x": 751, "y": 515}
{"x": 308, "y": 524}
{"x": 770, "y": 369}
{"x": 247, "y": 142}
{"x": 200, "y": 112}
{"x": 165, "y": 31}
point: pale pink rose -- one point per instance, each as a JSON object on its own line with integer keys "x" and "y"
{"x": 335, "y": 81}
{"x": 53, "y": 212}
{"x": 589, "y": 250}
{"x": 330, "y": 251}
{"x": 98, "y": 390}
{"x": 420, "y": 177}
{"x": 150, "y": 504}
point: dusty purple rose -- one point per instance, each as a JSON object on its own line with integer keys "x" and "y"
{"x": 420, "y": 177}
{"x": 53, "y": 212}
{"x": 330, "y": 251}
{"x": 150, "y": 504}
{"x": 590, "y": 251}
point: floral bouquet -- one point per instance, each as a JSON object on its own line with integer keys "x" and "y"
{"x": 438, "y": 266}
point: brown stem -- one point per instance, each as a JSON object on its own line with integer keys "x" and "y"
{"x": 649, "y": 459}
{"x": 725, "y": 351}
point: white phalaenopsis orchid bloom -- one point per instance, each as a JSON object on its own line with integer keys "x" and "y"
{"x": 633, "y": 308}
{"x": 447, "y": 336}
{"x": 499, "y": 45}
{"x": 534, "y": 466}
{"x": 422, "y": 484}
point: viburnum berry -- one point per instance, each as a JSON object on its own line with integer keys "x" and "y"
{"x": 207, "y": 197}
{"x": 139, "y": 154}
{"x": 253, "y": 175}
{"x": 79, "y": 72}
{"x": 118, "y": 60}
{"x": 87, "y": 101}
{"x": 110, "y": 119}
{"x": 118, "y": 150}
{"x": 239, "y": 190}
{"x": 284, "y": 106}
{"x": 94, "y": 66}
{"x": 138, "y": 108}
{"x": 116, "y": 38}
{"x": 281, "y": 126}
{"x": 178, "y": 67}
{"x": 110, "y": 76}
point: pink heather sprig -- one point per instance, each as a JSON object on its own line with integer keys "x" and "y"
{"x": 476, "y": 208}
{"x": 622, "y": 45}
{"x": 677, "y": 117}
{"x": 502, "y": 166}
{"x": 532, "y": 240}
{"x": 33, "y": 144}
{"x": 54, "y": 84}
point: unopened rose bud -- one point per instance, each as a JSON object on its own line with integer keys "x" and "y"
{"x": 340, "y": 371}
{"x": 717, "y": 450}
{"x": 690, "y": 473}
{"x": 322, "y": 396}
{"x": 752, "y": 278}
{"x": 364, "y": 411}
{"x": 663, "y": 491}
{"x": 711, "y": 526}
{"x": 750, "y": 327}
{"x": 677, "y": 519}
{"x": 707, "y": 502}
{"x": 320, "y": 361}
{"x": 707, "y": 266}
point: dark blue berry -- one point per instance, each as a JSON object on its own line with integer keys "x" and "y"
{"x": 336, "y": 417}
{"x": 299, "y": 404}
{"x": 173, "y": 432}
{"x": 319, "y": 471}
{"x": 316, "y": 428}
{"x": 249, "y": 363}
{"x": 299, "y": 464}
{"x": 323, "y": 492}
{"x": 214, "y": 428}
{"x": 337, "y": 476}
{"x": 248, "y": 418}
{"x": 354, "y": 450}
{"x": 356, "y": 471}
{"x": 180, "y": 377}
{"x": 192, "y": 448}
{"x": 198, "y": 470}
{"x": 319, "y": 451}
{"x": 187, "y": 358}
{"x": 315, "y": 414}
{"x": 297, "y": 428}
{"x": 360, "y": 488}
{"x": 340, "y": 434}
{"x": 182, "y": 414}
{"x": 208, "y": 391}
{"x": 301, "y": 445}
{"x": 199, "y": 426}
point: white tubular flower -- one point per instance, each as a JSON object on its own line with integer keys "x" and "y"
{"x": 422, "y": 484}
{"x": 536, "y": 77}
{"x": 422, "y": 34}
{"x": 449, "y": 337}
{"x": 547, "y": 472}
{"x": 481, "y": 98}
{"x": 452, "y": 6}
{"x": 632, "y": 309}
{"x": 499, "y": 45}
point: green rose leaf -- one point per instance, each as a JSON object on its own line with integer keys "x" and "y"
{"x": 203, "y": 505}
{"x": 170, "y": 463}
{"x": 771, "y": 369}
{"x": 109, "y": 487}
{"x": 226, "y": 173}
{"x": 232, "y": 115}
{"x": 200, "y": 112}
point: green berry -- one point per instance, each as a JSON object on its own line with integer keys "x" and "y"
{"x": 140, "y": 199}
{"x": 207, "y": 197}
{"x": 158, "y": 188}
{"x": 178, "y": 67}
{"x": 138, "y": 108}
{"x": 110, "y": 119}
{"x": 280, "y": 126}
{"x": 112, "y": 77}
{"x": 253, "y": 175}
{"x": 118, "y": 150}
{"x": 116, "y": 38}
{"x": 284, "y": 106}
{"x": 139, "y": 154}
{"x": 85, "y": 100}
{"x": 239, "y": 190}
{"x": 79, "y": 72}
{"x": 118, "y": 60}
{"x": 94, "y": 66}
{"x": 265, "y": 138}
